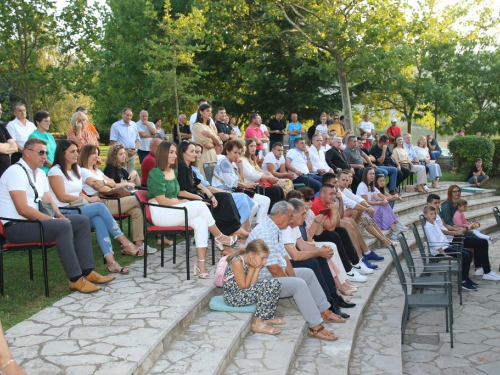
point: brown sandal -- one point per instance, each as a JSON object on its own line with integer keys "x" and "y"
{"x": 265, "y": 329}
{"x": 329, "y": 316}
{"x": 322, "y": 334}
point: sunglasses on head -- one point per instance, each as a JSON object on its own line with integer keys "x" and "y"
{"x": 41, "y": 152}
{"x": 308, "y": 199}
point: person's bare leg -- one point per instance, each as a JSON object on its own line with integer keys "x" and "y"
{"x": 362, "y": 244}
{"x": 201, "y": 252}
{"x": 348, "y": 227}
{"x": 377, "y": 233}
{"x": 7, "y": 364}
{"x": 484, "y": 181}
{"x": 220, "y": 238}
{"x": 355, "y": 215}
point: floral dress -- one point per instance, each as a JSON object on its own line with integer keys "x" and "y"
{"x": 264, "y": 293}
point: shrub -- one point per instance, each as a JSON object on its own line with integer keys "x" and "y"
{"x": 496, "y": 159}
{"x": 466, "y": 149}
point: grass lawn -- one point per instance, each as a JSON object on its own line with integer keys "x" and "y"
{"x": 493, "y": 183}
{"x": 23, "y": 297}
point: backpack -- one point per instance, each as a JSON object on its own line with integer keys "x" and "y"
{"x": 220, "y": 271}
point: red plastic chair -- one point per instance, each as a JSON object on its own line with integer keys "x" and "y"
{"x": 163, "y": 231}
{"x": 7, "y": 246}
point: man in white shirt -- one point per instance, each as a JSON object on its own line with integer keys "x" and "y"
{"x": 274, "y": 162}
{"x": 367, "y": 126}
{"x": 71, "y": 233}
{"x": 20, "y": 129}
{"x": 265, "y": 130}
{"x": 317, "y": 156}
{"x": 299, "y": 163}
{"x": 193, "y": 117}
{"x": 147, "y": 132}
{"x": 325, "y": 145}
{"x": 125, "y": 132}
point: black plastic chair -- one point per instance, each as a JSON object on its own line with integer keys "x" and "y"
{"x": 439, "y": 300}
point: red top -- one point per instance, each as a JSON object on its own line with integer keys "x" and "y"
{"x": 254, "y": 132}
{"x": 318, "y": 205}
{"x": 367, "y": 144}
{"x": 393, "y": 131}
{"x": 147, "y": 164}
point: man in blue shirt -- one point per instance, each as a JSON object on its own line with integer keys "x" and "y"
{"x": 125, "y": 132}
{"x": 300, "y": 283}
{"x": 295, "y": 130}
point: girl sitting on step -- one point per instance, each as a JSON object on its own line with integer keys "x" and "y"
{"x": 242, "y": 287}
{"x": 460, "y": 221}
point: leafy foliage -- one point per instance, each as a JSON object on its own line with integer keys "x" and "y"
{"x": 466, "y": 149}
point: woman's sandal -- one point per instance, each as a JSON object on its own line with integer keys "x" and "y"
{"x": 322, "y": 334}
{"x": 123, "y": 270}
{"x": 274, "y": 322}
{"x": 264, "y": 328}
{"x": 343, "y": 296}
{"x": 346, "y": 291}
{"x": 329, "y": 316}
{"x": 137, "y": 253}
{"x": 221, "y": 245}
{"x": 197, "y": 271}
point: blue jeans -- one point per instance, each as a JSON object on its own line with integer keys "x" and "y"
{"x": 314, "y": 181}
{"x": 435, "y": 154}
{"x": 104, "y": 224}
{"x": 142, "y": 154}
{"x": 479, "y": 179}
{"x": 392, "y": 172}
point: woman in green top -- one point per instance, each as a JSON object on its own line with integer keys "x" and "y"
{"x": 163, "y": 189}
{"x": 42, "y": 122}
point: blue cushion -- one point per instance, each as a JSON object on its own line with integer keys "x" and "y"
{"x": 217, "y": 303}
{"x": 472, "y": 189}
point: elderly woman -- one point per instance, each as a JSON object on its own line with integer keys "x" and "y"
{"x": 79, "y": 132}
{"x": 205, "y": 134}
{"x": 253, "y": 173}
{"x": 42, "y": 123}
{"x": 422, "y": 153}
{"x": 402, "y": 160}
{"x": 160, "y": 133}
{"x": 115, "y": 163}
{"x": 228, "y": 175}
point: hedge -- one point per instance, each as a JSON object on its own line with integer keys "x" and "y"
{"x": 466, "y": 149}
{"x": 495, "y": 171}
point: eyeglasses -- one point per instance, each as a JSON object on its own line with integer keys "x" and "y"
{"x": 308, "y": 199}
{"x": 41, "y": 152}
{"x": 456, "y": 191}
{"x": 336, "y": 118}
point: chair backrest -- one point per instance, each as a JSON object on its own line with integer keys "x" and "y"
{"x": 208, "y": 168}
{"x": 407, "y": 254}
{"x": 419, "y": 242}
{"x": 142, "y": 196}
{"x": 399, "y": 269}
{"x": 496, "y": 213}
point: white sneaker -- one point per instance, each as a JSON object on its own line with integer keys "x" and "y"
{"x": 401, "y": 227}
{"x": 494, "y": 274}
{"x": 479, "y": 272}
{"x": 489, "y": 276}
{"x": 394, "y": 236}
{"x": 151, "y": 250}
{"x": 362, "y": 268}
{"x": 356, "y": 277}
{"x": 426, "y": 188}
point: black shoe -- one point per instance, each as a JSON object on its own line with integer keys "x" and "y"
{"x": 336, "y": 310}
{"x": 472, "y": 282}
{"x": 345, "y": 305}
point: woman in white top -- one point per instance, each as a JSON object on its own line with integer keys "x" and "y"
{"x": 96, "y": 183}
{"x": 422, "y": 153}
{"x": 383, "y": 215}
{"x": 66, "y": 186}
{"x": 401, "y": 157}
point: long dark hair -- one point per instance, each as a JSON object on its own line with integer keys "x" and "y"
{"x": 181, "y": 149}
{"x": 59, "y": 158}
{"x": 395, "y": 144}
{"x": 251, "y": 158}
{"x": 161, "y": 156}
{"x": 199, "y": 118}
{"x": 377, "y": 176}
{"x": 371, "y": 186}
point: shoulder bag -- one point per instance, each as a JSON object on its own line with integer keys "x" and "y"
{"x": 43, "y": 207}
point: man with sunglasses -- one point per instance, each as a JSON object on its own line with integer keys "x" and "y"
{"x": 18, "y": 202}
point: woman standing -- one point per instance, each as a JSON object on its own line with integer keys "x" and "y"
{"x": 160, "y": 133}
{"x": 95, "y": 182}
{"x": 163, "y": 189}
{"x": 422, "y": 153}
{"x": 66, "y": 186}
{"x": 206, "y": 134}
{"x": 402, "y": 160}
{"x": 42, "y": 123}
{"x": 79, "y": 132}
{"x": 228, "y": 177}
{"x": 115, "y": 163}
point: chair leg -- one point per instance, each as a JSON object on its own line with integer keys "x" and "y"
{"x": 213, "y": 249}
{"x": 446, "y": 311}
{"x": 162, "y": 255}
{"x": 404, "y": 321}
{"x": 45, "y": 270}
{"x": 30, "y": 257}
{"x": 1, "y": 273}
{"x": 175, "y": 248}
{"x": 187, "y": 256}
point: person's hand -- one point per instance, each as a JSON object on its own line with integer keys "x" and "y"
{"x": 338, "y": 195}
{"x": 384, "y": 147}
{"x": 411, "y": 165}
{"x": 206, "y": 133}
{"x": 306, "y": 152}
{"x": 326, "y": 252}
{"x": 253, "y": 263}
{"x": 274, "y": 180}
{"x": 250, "y": 185}
{"x": 299, "y": 173}
{"x": 333, "y": 206}
{"x": 179, "y": 201}
{"x": 93, "y": 199}
{"x": 399, "y": 167}
{"x": 370, "y": 211}
{"x": 352, "y": 170}
{"x": 385, "y": 202}
{"x": 319, "y": 219}
{"x": 214, "y": 201}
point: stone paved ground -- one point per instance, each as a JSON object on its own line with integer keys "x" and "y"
{"x": 476, "y": 332}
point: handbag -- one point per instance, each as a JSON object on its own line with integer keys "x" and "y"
{"x": 43, "y": 207}
{"x": 120, "y": 192}
{"x": 248, "y": 192}
{"x": 77, "y": 203}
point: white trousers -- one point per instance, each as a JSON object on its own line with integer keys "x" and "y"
{"x": 260, "y": 208}
{"x": 421, "y": 173}
{"x": 199, "y": 218}
{"x": 342, "y": 275}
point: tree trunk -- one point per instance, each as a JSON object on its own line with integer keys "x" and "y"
{"x": 408, "y": 124}
{"x": 176, "y": 96}
{"x": 344, "y": 90}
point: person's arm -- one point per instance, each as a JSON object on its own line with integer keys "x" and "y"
{"x": 334, "y": 221}
{"x": 8, "y": 147}
{"x": 23, "y": 208}
{"x": 57, "y": 185}
{"x": 276, "y": 270}
{"x": 446, "y": 213}
{"x": 288, "y": 165}
{"x": 281, "y": 174}
{"x": 244, "y": 281}
{"x": 381, "y": 158}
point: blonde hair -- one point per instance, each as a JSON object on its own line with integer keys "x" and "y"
{"x": 76, "y": 116}
{"x": 420, "y": 140}
{"x": 256, "y": 247}
{"x": 112, "y": 153}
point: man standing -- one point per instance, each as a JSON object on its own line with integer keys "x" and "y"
{"x": 317, "y": 156}
{"x": 299, "y": 163}
{"x": 125, "y": 132}
{"x": 8, "y": 146}
{"x": 383, "y": 160}
{"x": 254, "y": 132}
{"x": 295, "y": 130}
{"x": 337, "y": 126}
{"x": 19, "y": 129}
{"x": 224, "y": 130}
{"x": 276, "y": 128}
{"x": 149, "y": 161}
{"x": 393, "y": 131}
{"x": 367, "y": 126}
{"x": 184, "y": 129}
{"x": 301, "y": 283}
{"x": 193, "y": 117}
{"x": 147, "y": 132}
{"x": 274, "y": 163}
{"x": 71, "y": 233}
